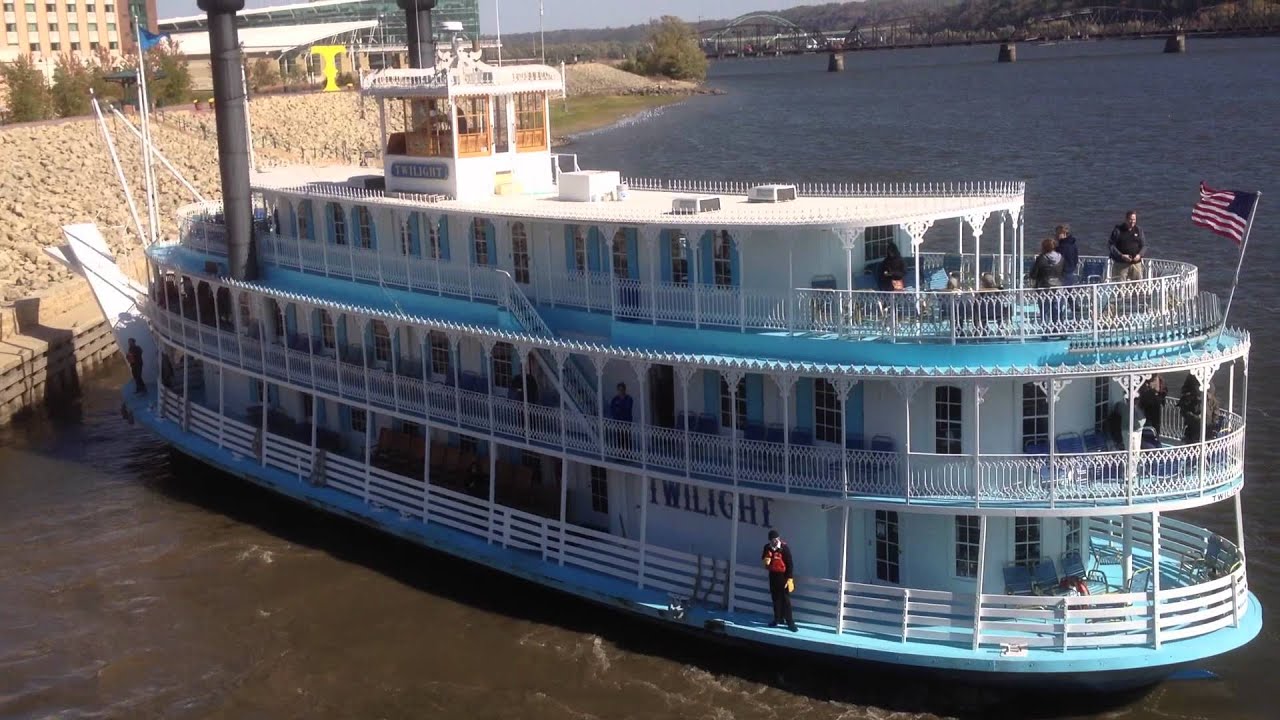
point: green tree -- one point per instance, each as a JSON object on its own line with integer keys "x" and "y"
{"x": 71, "y": 83}
{"x": 28, "y": 92}
{"x": 264, "y": 74}
{"x": 169, "y": 78}
{"x": 673, "y": 51}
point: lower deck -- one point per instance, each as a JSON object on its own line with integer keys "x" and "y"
{"x": 1201, "y": 608}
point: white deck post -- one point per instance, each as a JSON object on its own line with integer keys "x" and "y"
{"x": 455, "y": 360}
{"x": 222, "y": 409}
{"x": 732, "y": 574}
{"x": 426, "y": 428}
{"x": 598, "y": 364}
{"x": 732, "y": 377}
{"x": 393, "y": 337}
{"x": 1155, "y": 578}
{"x": 564, "y": 493}
{"x": 843, "y": 385}
{"x": 486, "y": 348}
{"x": 693, "y": 265}
{"x": 523, "y": 351}
{"x": 977, "y": 591}
{"x": 1126, "y": 560}
{"x": 1051, "y": 387}
{"x": 685, "y": 373}
{"x": 368, "y": 440}
{"x": 844, "y": 569}
{"x": 262, "y": 347}
{"x": 651, "y": 237}
{"x": 1205, "y": 376}
{"x": 1231, "y": 389}
{"x": 786, "y": 383}
{"x": 979, "y": 393}
{"x": 791, "y": 283}
{"x": 907, "y": 388}
{"x": 644, "y": 527}
{"x": 1130, "y": 384}
{"x": 1000, "y": 270}
{"x": 642, "y": 379}
{"x": 493, "y": 485}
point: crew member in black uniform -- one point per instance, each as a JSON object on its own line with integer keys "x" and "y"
{"x": 777, "y": 560}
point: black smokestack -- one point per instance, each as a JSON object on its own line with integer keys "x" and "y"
{"x": 417, "y": 20}
{"x": 233, "y": 141}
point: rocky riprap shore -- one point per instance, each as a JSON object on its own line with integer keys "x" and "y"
{"x": 59, "y": 173}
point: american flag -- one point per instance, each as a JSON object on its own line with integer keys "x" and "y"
{"x": 1225, "y": 212}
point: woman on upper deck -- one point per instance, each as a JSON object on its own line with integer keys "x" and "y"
{"x": 893, "y": 270}
{"x": 1070, "y": 253}
{"x": 1048, "y": 267}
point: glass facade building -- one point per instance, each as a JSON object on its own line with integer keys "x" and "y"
{"x": 390, "y": 30}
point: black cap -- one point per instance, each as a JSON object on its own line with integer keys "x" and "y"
{"x": 773, "y": 535}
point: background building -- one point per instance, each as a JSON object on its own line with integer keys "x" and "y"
{"x": 45, "y": 29}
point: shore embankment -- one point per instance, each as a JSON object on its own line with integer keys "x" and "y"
{"x": 60, "y": 172}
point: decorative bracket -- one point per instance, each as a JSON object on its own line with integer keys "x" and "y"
{"x": 1202, "y": 374}
{"x": 849, "y": 235}
{"x": 976, "y": 222}
{"x": 685, "y": 373}
{"x": 916, "y": 229}
{"x": 1058, "y": 385}
{"x": 907, "y": 387}
{"x": 980, "y": 392}
{"x": 1130, "y": 384}
{"x": 785, "y": 383}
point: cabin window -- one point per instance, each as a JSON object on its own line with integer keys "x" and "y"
{"x": 430, "y": 131}
{"x": 531, "y": 121}
{"x": 246, "y": 313}
{"x": 1026, "y": 541}
{"x": 305, "y": 232}
{"x": 1035, "y": 415}
{"x": 439, "y": 352}
{"x": 520, "y": 252}
{"x": 308, "y": 406}
{"x": 877, "y": 240}
{"x": 1072, "y": 535}
{"x": 409, "y": 235}
{"x": 278, "y": 330}
{"x": 620, "y": 257}
{"x": 947, "y": 413}
{"x": 473, "y": 125}
{"x": 501, "y": 121}
{"x": 339, "y": 222}
{"x": 1101, "y": 402}
{"x": 722, "y": 258}
{"x": 502, "y": 366}
{"x": 433, "y": 239}
{"x": 968, "y": 534}
{"x": 327, "y": 334}
{"x": 381, "y": 342}
{"x": 599, "y": 490}
{"x": 579, "y": 248}
{"x": 826, "y": 412}
{"x": 364, "y": 224}
{"x": 888, "y": 566}
{"x": 359, "y": 421}
{"x": 480, "y": 237}
{"x": 679, "y": 259}
{"x": 733, "y": 403}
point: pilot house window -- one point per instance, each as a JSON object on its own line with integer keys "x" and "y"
{"x": 473, "y": 126}
{"x": 531, "y": 121}
{"x": 429, "y": 133}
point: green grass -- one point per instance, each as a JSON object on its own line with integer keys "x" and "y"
{"x": 580, "y": 114}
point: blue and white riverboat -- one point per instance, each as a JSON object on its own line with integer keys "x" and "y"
{"x": 436, "y": 349}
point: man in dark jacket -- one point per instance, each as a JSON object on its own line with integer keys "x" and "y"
{"x": 777, "y": 560}
{"x": 1126, "y": 246}
{"x": 1070, "y": 254}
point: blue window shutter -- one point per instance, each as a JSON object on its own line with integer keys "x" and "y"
{"x": 853, "y": 411}
{"x": 293, "y": 221}
{"x": 415, "y": 239}
{"x": 444, "y": 237}
{"x": 304, "y": 210}
{"x": 569, "y": 263}
{"x": 593, "y": 249}
{"x": 633, "y": 253}
{"x": 319, "y": 405}
{"x": 471, "y": 242}
{"x": 755, "y": 398}
{"x": 395, "y": 341}
{"x": 353, "y": 227}
{"x": 330, "y": 230}
{"x": 368, "y": 338}
{"x": 340, "y": 327}
{"x": 344, "y": 417}
{"x": 273, "y": 395}
{"x": 706, "y": 272}
{"x": 804, "y": 404}
{"x": 664, "y": 255}
{"x": 711, "y": 392}
{"x": 491, "y": 241}
{"x": 373, "y": 231}
{"x": 515, "y": 364}
{"x": 291, "y": 320}
{"x": 254, "y": 394}
{"x": 315, "y": 323}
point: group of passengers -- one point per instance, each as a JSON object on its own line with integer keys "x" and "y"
{"x": 1195, "y": 406}
{"x": 1057, "y": 264}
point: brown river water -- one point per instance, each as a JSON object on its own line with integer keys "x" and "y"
{"x": 136, "y": 584}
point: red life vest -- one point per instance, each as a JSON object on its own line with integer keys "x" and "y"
{"x": 776, "y": 562}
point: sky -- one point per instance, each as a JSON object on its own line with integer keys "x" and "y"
{"x": 522, "y": 15}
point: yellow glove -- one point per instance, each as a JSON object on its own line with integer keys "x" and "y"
{"x": 791, "y": 585}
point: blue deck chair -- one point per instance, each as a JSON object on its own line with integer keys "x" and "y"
{"x": 1094, "y": 441}
{"x": 1036, "y": 447}
{"x": 953, "y": 263}
{"x": 801, "y": 436}
{"x": 1070, "y": 442}
{"x": 773, "y": 433}
{"x": 753, "y": 431}
{"x": 854, "y": 441}
{"x": 1017, "y": 580}
{"x": 1140, "y": 582}
{"x": 1093, "y": 270}
{"x": 1073, "y": 567}
{"x": 1199, "y": 566}
{"x": 1046, "y": 580}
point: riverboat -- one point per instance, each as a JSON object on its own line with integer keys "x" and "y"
{"x": 615, "y": 387}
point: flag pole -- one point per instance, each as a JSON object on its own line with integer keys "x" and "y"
{"x": 144, "y": 103}
{"x": 542, "y": 35}
{"x": 1244, "y": 245}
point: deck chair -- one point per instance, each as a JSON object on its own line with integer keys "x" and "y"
{"x": 1046, "y": 580}
{"x": 1140, "y": 582}
{"x": 1017, "y": 580}
{"x": 1094, "y": 441}
{"x": 1093, "y": 270}
{"x": 1073, "y": 567}
{"x": 1199, "y": 565}
{"x": 1070, "y": 442}
{"x": 883, "y": 443}
{"x": 1036, "y": 447}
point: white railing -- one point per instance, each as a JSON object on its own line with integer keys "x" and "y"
{"x": 1164, "y": 306}
{"x": 994, "y": 189}
{"x": 1098, "y": 478}
{"x": 1187, "y": 604}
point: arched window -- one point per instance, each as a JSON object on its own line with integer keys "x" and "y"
{"x": 620, "y": 256}
{"x": 722, "y": 258}
{"x": 305, "y": 230}
{"x": 364, "y": 227}
{"x": 947, "y": 409}
{"x": 1035, "y": 415}
{"x": 579, "y": 248}
{"x": 433, "y": 239}
{"x": 381, "y": 342}
{"x": 328, "y": 335}
{"x": 337, "y": 223}
{"x": 520, "y": 252}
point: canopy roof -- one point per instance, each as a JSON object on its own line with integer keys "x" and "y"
{"x": 271, "y": 39}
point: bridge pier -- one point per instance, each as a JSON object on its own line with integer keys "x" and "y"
{"x": 1008, "y": 53}
{"x": 835, "y": 63}
{"x": 1177, "y": 43}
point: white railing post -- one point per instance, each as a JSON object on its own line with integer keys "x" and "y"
{"x": 564, "y": 493}
{"x": 645, "y": 481}
{"x": 493, "y": 484}
{"x": 844, "y": 569}
{"x": 1155, "y": 578}
{"x": 685, "y": 373}
{"x": 977, "y": 592}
